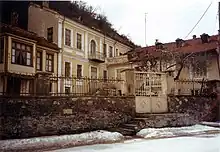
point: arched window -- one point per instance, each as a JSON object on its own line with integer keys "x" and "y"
{"x": 92, "y": 47}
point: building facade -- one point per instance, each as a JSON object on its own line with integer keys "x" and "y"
{"x": 86, "y": 51}
{"x": 189, "y": 63}
{"x": 25, "y": 58}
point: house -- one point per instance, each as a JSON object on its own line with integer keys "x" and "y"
{"x": 188, "y": 62}
{"x": 86, "y": 50}
{"x": 26, "y": 60}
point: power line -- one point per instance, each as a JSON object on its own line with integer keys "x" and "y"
{"x": 199, "y": 19}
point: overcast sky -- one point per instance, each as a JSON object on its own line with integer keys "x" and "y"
{"x": 167, "y": 20}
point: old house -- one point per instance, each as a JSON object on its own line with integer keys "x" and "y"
{"x": 189, "y": 63}
{"x": 26, "y": 60}
{"x": 87, "y": 51}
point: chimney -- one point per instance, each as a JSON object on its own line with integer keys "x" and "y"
{"x": 205, "y": 38}
{"x": 179, "y": 42}
{"x": 194, "y": 36}
{"x": 45, "y": 3}
{"x": 14, "y": 18}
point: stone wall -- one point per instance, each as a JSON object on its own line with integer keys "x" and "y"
{"x": 30, "y": 117}
{"x": 198, "y": 107}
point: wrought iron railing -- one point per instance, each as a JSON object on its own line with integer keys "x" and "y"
{"x": 96, "y": 56}
{"x": 189, "y": 87}
{"x": 148, "y": 84}
{"x": 60, "y": 86}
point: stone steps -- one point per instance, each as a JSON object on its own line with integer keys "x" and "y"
{"x": 148, "y": 120}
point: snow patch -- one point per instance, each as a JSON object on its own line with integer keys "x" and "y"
{"x": 173, "y": 132}
{"x": 100, "y": 136}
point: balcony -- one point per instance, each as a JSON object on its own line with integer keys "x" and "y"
{"x": 96, "y": 57}
{"x": 117, "y": 60}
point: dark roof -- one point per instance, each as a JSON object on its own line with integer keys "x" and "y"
{"x": 4, "y": 28}
{"x": 189, "y": 46}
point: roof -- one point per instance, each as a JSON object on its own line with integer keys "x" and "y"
{"x": 64, "y": 8}
{"x": 188, "y": 46}
{"x": 4, "y": 28}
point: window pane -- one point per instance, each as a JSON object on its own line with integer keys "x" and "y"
{"x": 18, "y": 46}
{"x": 28, "y": 62}
{"x": 28, "y": 48}
{"x": 23, "y": 47}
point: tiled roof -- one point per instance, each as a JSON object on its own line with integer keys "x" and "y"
{"x": 189, "y": 46}
{"x": 4, "y": 28}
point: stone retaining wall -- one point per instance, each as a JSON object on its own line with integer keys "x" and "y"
{"x": 30, "y": 117}
{"x": 201, "y": 108}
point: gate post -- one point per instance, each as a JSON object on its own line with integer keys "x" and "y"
{"x": 128, "y": 87}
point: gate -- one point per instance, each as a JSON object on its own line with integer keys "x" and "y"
{"x": 150, "y": 92}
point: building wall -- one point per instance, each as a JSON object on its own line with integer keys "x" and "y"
{"x": 44, "y": 18}
{"x": 39, "y": 19}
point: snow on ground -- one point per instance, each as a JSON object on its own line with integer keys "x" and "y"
{"x": 61, "y": 141}
{"x": 179, "y": 144}
{"x": 174, "y": 132}
{"x": 213, "y": 124}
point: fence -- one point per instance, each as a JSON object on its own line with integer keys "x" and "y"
{"x": 148, "y": 84}
{"x": 59, "y": 86}
{"x": 189, "y": 87}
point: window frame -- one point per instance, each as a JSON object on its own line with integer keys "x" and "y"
{"x": 92, "y": 67}
{"x": 79, "y": 41}
{"x": 48, "y": 61}
{"x": 19, "y": 54}
{"x": 104, "y": 50}
{"x": 67, "y": 72}
{"x": 79, "y": 75}
{"x": 68, "y": 39}
{"x": 50, "y": 34}
{"x": 41, "y": 60}
{"x": 93, "y": 47}
{"x": 110, "y": 51}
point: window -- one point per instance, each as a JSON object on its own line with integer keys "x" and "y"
{"x": 50, "y": 34}
{"x": 49, "y": 62}
{"x": 105, "y": 75}
{"x": 79, "y": 41}
{"x": 104, "y": 51}
{"x": 39, "y": 61}
{"x": 67, "y": 90}
{"x": 51, "y": 87}
{"x": 2, "y": 50}
{"x": 21, "y": 54}
{"x": 118, "y": 72}
{"x": 93, "y": 72}
{"x": 110, "y": 52}
{"x": 67, "y": 37}
{"x": 116, "y": 52}
{"x": 92, "y": 47}
{"x": 67, "y": 69}
{"x": 200, "y": 70}
{"x": 79, "y": 71}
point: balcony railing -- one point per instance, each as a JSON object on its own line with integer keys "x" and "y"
{"x": 96, "y": 56}
{"x": 117, "y": 60}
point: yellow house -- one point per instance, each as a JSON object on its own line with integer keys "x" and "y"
{"x": 86, "y": 51}
{"x": 25, "y": 57}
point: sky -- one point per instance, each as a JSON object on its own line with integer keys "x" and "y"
{"x": 166, "y": 20}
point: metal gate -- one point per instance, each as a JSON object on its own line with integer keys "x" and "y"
{"x": 150, "y": 92}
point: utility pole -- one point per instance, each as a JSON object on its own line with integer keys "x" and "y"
{"x": 218, "y": 48}
{"x": 145, "y": 29}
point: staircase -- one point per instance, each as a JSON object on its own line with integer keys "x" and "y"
{"x": 142, "y": 121}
